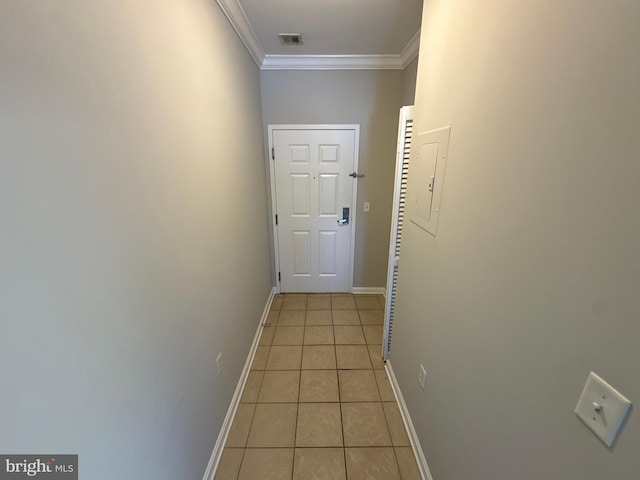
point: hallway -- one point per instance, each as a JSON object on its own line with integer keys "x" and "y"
{"x": 318, "y": 403}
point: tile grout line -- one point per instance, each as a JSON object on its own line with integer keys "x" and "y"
{"x": 295, "y": 432}
{"x": 244, "y": 450}
{"x": 344, "y": 442}
{"x": 393, "y": 447}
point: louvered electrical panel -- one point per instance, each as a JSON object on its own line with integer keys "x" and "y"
{"x": 405, "y": 132}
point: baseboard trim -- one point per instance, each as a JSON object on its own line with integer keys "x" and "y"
{"x": 368, "y": 290}
{"x": 214, "y": 460}
{"x": 406, "y": 418}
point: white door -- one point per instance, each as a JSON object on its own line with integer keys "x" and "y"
{"x": 314, "y": 196}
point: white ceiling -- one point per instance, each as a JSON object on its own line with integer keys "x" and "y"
{"x": 337, "y": 34}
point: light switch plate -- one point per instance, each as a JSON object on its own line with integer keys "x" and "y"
{"x": 422, "y": 376}
{"x": 219, "y": 363}
{"x": 602, "y": 408}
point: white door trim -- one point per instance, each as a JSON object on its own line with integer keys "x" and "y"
{"x": 354, "y": 209}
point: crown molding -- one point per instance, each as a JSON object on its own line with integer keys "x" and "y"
{"x": 411, "y": 50}
{"x": 239, "y": 21}
{"x": 332, "y": 62}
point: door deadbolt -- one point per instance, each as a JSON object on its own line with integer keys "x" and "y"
{"x": 345, "y": 217}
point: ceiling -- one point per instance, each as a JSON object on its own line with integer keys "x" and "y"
{"x": 336, "y": 34}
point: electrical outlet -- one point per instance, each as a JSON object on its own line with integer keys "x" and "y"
{"x": 219, "y": 363}
{"x": 422, "y": 376}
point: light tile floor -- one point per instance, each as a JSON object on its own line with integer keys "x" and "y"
{"x": 318, "y": 404}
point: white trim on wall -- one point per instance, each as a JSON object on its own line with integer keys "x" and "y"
{"x": 368, "y": 291}
{"x": 218, "y": 448}
{"x": 332, "y": 62}
{"x": 406, "y": 418}
{"x": 240, "y": 23}
{"x": 410, "y": 52}
{"x": 238, "y": 19}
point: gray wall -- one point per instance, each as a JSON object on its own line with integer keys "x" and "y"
{"x": 126, "y": 132}
{"x": 533, "y": 279}
{"x": 371, "y": 99}
{"x": 410, "y": 77}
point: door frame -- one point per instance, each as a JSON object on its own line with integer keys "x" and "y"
{"x": 354, "y": 201}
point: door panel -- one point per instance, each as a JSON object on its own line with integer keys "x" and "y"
{"x": 301, "y": 253}
{"x": 299, "y": 153}
{"x": 327, "y": 253}
{"x": 329, "y": 153}
{"x": 328, "y": 195}
{"x": 300, "y": 195}
{"x": 312, "y": 187}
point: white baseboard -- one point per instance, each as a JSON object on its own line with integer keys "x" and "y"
{"x": 368, "y": 290}
{"x": 406, "y": 418}
{"x": 212, "y": 466}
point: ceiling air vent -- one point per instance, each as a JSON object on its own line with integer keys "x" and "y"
{"x": 290, "y": 38}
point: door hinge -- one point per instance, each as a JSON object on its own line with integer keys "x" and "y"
{"x": 279, "y": 277}
{"x": 273, "y": 153}
{"x": 276, "y": 218}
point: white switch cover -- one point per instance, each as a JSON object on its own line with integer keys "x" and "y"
{"x": 602, "y": 408}
{"x": 367, "y": 206}
{"x": 219, "y": 363}
{"x": 422, "y": 376}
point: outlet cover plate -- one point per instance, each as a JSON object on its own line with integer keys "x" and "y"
{"x": 219, "y": 363}
{"x": 614, "y": 408}
{"x": 422, "y": 376}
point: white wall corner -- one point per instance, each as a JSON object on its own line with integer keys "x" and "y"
{"x": 406, "y": 418}
{"x": 411, "y": 50}
{"x": 238, "y": 19}
{"x": 218, "y": 448}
